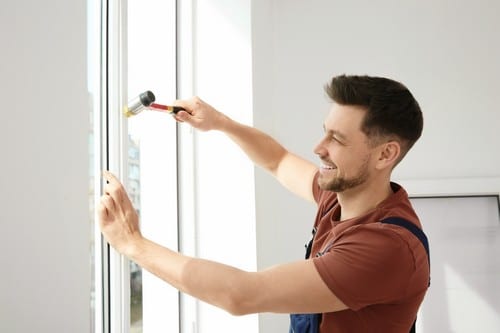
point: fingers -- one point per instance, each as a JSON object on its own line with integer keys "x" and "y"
{"x": 107, "y": 205}
{"x": 198, "y": 114}
{"x": 114, "y": 194}
{"x": 102, "y": 211}
{"x": 192, "y": 106}
{"x": 111, "y": 178}
{"x": 189, "y": 104}
{"x": 114, "y": 187}
{"x": 118, "y": 219}
{"x": 182, "y": 116}
{"x": 181, "y": 102}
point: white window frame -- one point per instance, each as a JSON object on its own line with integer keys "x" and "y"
{"x": 111, "y": 271}
{"x": 112, "y": 275}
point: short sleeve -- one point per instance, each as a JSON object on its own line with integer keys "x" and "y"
{"x": 368, "y": 264}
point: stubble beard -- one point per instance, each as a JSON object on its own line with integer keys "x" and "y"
{"x": 341, "y": 184}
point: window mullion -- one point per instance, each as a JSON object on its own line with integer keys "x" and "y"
{"x": 118, "y": 266}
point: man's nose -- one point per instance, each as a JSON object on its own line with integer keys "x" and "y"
{"x": 319, "y": 149}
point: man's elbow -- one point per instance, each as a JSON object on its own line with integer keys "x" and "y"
{"x": 239, "y": 303}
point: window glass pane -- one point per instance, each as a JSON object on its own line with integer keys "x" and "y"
{"x": 134, "y": 191}
{"x": 152, "y": 183}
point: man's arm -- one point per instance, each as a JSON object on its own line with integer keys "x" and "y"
{"x": 287, "y": 288}
{"x": 292, "y": 171}
{"x": 290, "y": 288}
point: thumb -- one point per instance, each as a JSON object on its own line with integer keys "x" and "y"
{"x": 183, "y": 116}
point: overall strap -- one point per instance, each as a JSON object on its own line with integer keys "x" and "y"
{"x": 420, "y": 235}
{"x": 413, "y": 229}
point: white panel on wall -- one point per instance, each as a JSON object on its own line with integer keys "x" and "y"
{"x": 464, "y": 237}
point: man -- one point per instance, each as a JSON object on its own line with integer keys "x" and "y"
{"x": 362, "y": 275}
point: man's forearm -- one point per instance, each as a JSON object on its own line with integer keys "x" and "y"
{"x": 212, "y": 282}
{"x": 292, "y": 171}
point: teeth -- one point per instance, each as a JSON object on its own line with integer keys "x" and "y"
{"x": 328, "y": 167}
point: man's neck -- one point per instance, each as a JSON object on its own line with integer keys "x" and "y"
{"x": 363, "y": 198}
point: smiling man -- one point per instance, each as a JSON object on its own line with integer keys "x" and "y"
{"x": 367, "y": 267}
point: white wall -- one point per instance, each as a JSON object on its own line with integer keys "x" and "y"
{"x": 446, "y": 52}
{"x": 44, "y": 180}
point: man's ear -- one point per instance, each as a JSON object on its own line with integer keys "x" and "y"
{"x": 389, "y": 154}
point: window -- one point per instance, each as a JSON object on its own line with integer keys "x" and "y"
{"x": 215, "y": 55}
{"x": 133, "y": 49}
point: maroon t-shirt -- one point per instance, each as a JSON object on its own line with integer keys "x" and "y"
{"x": 380, "y": 271}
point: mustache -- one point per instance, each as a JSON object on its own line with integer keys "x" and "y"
{"x": 328, "y": 162}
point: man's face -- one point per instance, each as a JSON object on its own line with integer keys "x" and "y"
{"x": 344, "y": 150}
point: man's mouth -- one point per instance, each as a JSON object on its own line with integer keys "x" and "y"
{"x": 326, "y": 167}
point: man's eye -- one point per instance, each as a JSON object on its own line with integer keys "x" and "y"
{"x": 335, "y": 139}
